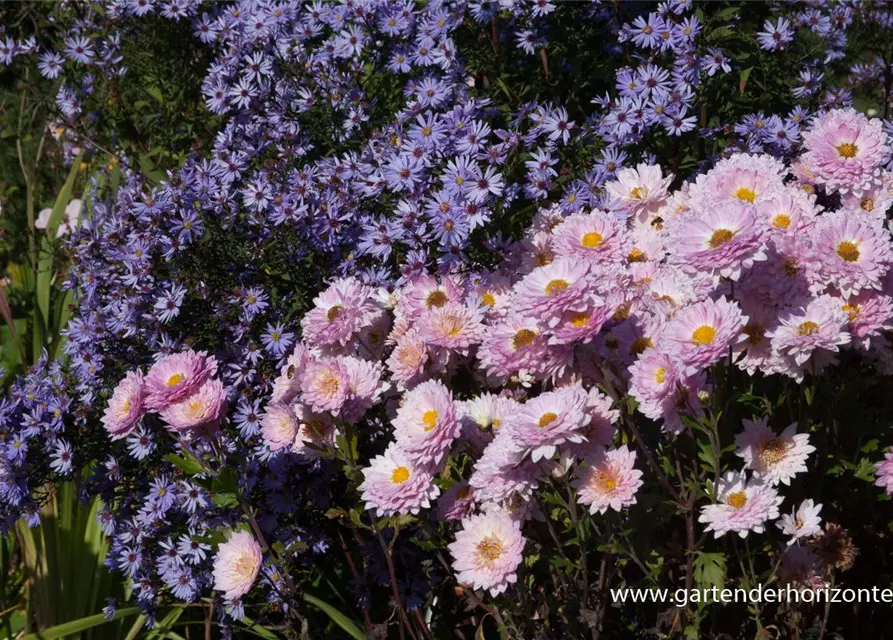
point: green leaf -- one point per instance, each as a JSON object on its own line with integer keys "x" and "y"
{"x": 742, "y": 79}
{"x": 186, "y": 462}
{"x": 710, "y": 570}
{"x": 226, "y": 500}
{"x": 348, "y": 625}
{"x": 77, "y": 626}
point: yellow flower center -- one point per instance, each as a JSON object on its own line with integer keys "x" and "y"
{"x": 852, "y": 310}
{"x": 637, "y": 255}
{"x": 639, "y": 345}
{"x": 847, "y": 150}
{"x": 546, "y": 419}
{"x": 556, "y": 286}
{"x": 400, "y": 475}
{"x": 807, "y": 328}
{"x": 737, "y": 500}
{"x": 604, "y": 482}
{"x": 579, "y": 320}
{"x": 848, "y": 250}
{"x": 638, "y": 193}
{"x": 436, "y": 298}
{"x": 488, "y": 299}
{"x": 746, "y": 193}
{"x": 329, "y": 383}
{"x": 720, "y": 237}
{"x": 791, "y": 268}
{"x": 703, "y": 334}
{"x": 333, "y": 313}
{"x": 660, "y": 375}
{"x": 591, "y": 240}
{"x": 867, "y": 205}
{"x": 430, "y": 420}
{"x": 524, "y": 338}
{"x": 773, "y": 451}
{"x": 780, "y": 221}
{"x": 490, "y": 548}
{"x": 175, "y": 379}
{"x": 623, "y": 311}
{"x": 543, "y": 258}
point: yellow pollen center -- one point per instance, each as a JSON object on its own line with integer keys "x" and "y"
{"x": 773, "y": 451}
{"x": 847, "y": 150}
{"x": 720, "y": 237}
{"x": 737, "y": 500}
{"x": 546, "y": 419}
{"x": 400, "y": 475}
{"x": 703, "y": 334}
{"x": 448, "y": 225}
{"x": 604, "y": 482}
{"x": 333, "y": 313}
{"x": 436, "y": 298}
{"x": 867, "y": 205}
{"x": 490, "y": 548}
{"x": 556, "y": 286}
{"x": 807, "y": 328}
{"x": 638, "y": 193}
{"x": 637, "y": 255}
{"x": 329, "y": 383}
{"x": 746, "y": 193}
{"x": 852, "y": 310}
{"x": 523, "y": 338}
{"x": 848, "y": 250}
{"x": 639, "y": 345}
{"x": 579, "y": 320}
{"x": 175, "y": 379}
{"x": 660, "y": 375}
{"x": 430, "y": 420}
{"x": 591, "y": 240}
{"x": 488, "y": 299}
{"x": 780, "y": 221}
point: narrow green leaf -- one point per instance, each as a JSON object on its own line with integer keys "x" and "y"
{"x": 348, "y": 625}
{"x": 186, "y": 462}
{"x": 77, "y": 626}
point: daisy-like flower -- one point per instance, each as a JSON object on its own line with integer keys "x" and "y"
{"x": 845, "y": 150}
{"x": 872, "y": 203}
{"x": 126, "y": 406}
{"x": 204, "y": 408}
{"x": 364, "y": 384}
{"x": 393, "y": 483}
{"x": 513, "y": 345}
{"x": 774, "y": 458}
{"x": 339, "y": 313}
{"x": 407, "y": 361}
{"x": 279, "y": 426}
{"x": 287, "y": 385}
{"x": 456, "y": 503}
{"x": 550, "y": 419}
{"x": 854, "y": 253}
{"x": 884, "y": 472}
{"x": 789, "y": 210}
{"x": 803, "y": 522}
{"x": 870, "y": 314}
{"x": 609, "y": 480}
{"x": 452, "y": 326}
{"x": 583, "y": 325}
{"x": 484, "y": 416}
{"x": 488, "y": 551}
{"x": 787, "y": 276}
{"x": 704, "y": 332}
{"x": 547, "y": 292}
{"x": 755, "y": 351}
{"x": 503, "y": 472}
{"x": 236, "y": 565}
{"x": 176, "y": 377}
{"x": 325, "y": 385}
{"x": 721, "y": 240}
{"x": 597, "y": 238}
{"x": 742, "y": 506}
{"x": 818, "y": 329}
{"x": 640, "y": 191}
{"x": 741, "y": 178}
{"x": 427, "y": 422}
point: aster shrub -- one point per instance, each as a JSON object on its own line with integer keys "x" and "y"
{"x": 408, "y": 320}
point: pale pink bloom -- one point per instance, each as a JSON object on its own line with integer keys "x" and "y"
{"x": 741, "y": 178}
{"x": 427, "y": 422}
{"x": 787, "y": 211}
{"x": 536, "y": 251}
{"x": 503, "y": 472}
{"x": 453, "y": 326}
{"x": 287, "y": 385}
{"x": 774, "y": 458}
{"x": 547, "y": 292}
{"x": 488, "y": 551}
{"x": 393, "y": 483}
{"x": 583, "y": 325}
{"x": 126, "y": 406}
{"x": 408, "y": 359}
{"x": 279, "y": 426}
{"x": 870, "y": 314}
{"x": 788, "y": 276}
{"x": 515, "y": 344}
{"x": 654, "y": 379}
{"x": 427, "y": 292}
{"x": 854, "y": 253}
{"x": 365, "y": 387}
{"x": 608, "y": 480}
{"x": 640, "y": 191}
{"x": 456, "y": 503}
{"x": 597, "y": 238}
{"x": 236, "y": 565}
{"x": 339, "y": 313}
{"x": 742, "y": 506}
{"x": 872, "y": 203}
{"x": 315, "y": 431}
{"x": 819, "y": 329}
{"x": 704, "y": 332}
{"x": 647, "y": 244}
{"x": 845, "y": 151}
{"x": 884, "y": 472}
{"x": 755, "y": 351}
{"x": 176, "y": 377}
{"x": 802, "y": 522}
{"x": 671, "y": 289}
{"x": 600, "y": 430}
{"x": 325, "y": 385}
{"x": 484, "y": 416}
{"x": 204, "y": 408}
{"x": 549, "y": 420}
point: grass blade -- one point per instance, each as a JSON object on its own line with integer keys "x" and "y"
{"x": 77, "y": 626}
{"x": 351, "y": 627}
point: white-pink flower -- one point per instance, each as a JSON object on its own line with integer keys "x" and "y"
{"x": 487, "y": 551}
{"x": 608, "y": 480}
{"x": 741, "y": 506}
{"x": 774, "y": 458}
{"x": 126, "y": 406}
{"x": 236, "y": 565}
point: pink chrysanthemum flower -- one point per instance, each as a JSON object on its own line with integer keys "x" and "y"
{"x": 803, "y": 522}
{"x": 484, "y": 416}
{"x": 176, "y": 377}
{"x": 787, "y": 211}
{"x": 854, "y": 254}
{"x": 597, "y": 238}
{"x": 279, "y": 426}
{"x": 819, "y": 329}
{"x": 884, "y": 472}
{"x": 204, "y": 408}
{"x": 550, "y": 419}
{"x": 325, "y": 385}
{"x": 720, "y": 240}
{"x": 640, "y": 191}
{"x": 599, "y": 432}
{"x": 536, "y": 252}
{"x": 788, "y": 276}
{"x": 741, "y": 178}
{"x": 287, "y": 385}
{"x": 845, "y": 151}
{"x": 609, "y": 480}
{"x": 427, "y": 423}
{"x": 365, "y": 386}
{"x": 503, "y": 472}
{"x": 870, "y": 314}
{"x": 488, "y": 551}
{"x": 671, "y": 289}
{"x": 126, "y": 406}
{"x": 741, "y": 506}
{"x": 315, "y": 431}
{"x": 547, "y": 292}
{"x": 338, "y": 314}
{"x": 513, "y": 345}
{"x": 704, "y": 332}
{"x": 654, "y": 377}
{"x": 583, "y": 325}
{"x": 755, "y": 351}
{"x": 774, "y": 458}
{"x": 872, "y": 203}
{"x": 427, "y": 292}
{"x": 453, "y": 326}
{"x": 236, "y": 565}
{"x": 456, "y": 503}
{"x": 647, "y": 244}
{"x": 408, "y": 359}
{"x": 393, "y": 483}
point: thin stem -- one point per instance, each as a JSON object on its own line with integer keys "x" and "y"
{"x": 392, "y": 573}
